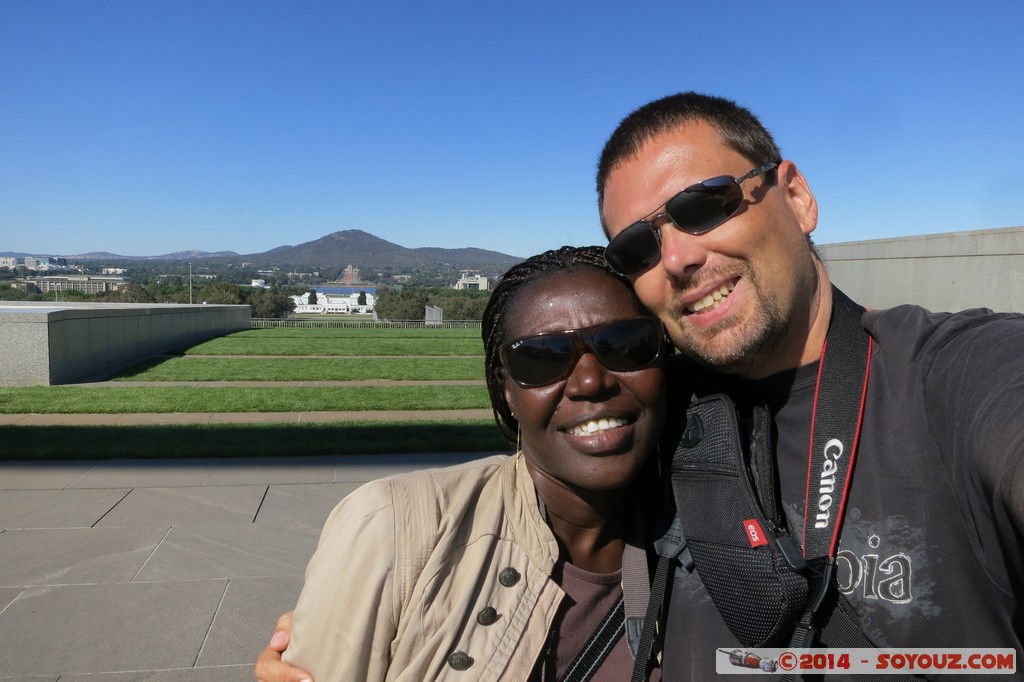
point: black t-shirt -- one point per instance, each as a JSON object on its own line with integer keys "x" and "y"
{"x": 932, "y": 546}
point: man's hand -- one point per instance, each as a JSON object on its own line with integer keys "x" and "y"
{"x": 269, "y": 667}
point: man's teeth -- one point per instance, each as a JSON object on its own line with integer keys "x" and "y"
{"x": 595, "y": 425}
{"x": 712, "y": 300}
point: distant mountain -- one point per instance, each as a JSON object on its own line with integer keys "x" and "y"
{"x": 101, "y": 255}
{"x": 182, "y": 255}
{"x": 177, "y": 255}
{"x": 363, "y": 250}
{"x": 338, "y": 250}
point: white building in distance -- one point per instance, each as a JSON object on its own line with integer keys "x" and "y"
{"x": 471, "y": 279}
{"x": 333, "y": 304}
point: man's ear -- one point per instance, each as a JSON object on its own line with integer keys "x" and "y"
{"x": 799, "y": 196}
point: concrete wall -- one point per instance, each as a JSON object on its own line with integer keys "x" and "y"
{"x": 67, "y": 342}
{"x": 942, "y": 272}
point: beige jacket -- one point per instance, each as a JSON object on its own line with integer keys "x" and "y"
{"x": 434, "y": 575}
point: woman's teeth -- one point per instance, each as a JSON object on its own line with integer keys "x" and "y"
{"x": 712, "y": 300}
{"x": 595, "y": 425}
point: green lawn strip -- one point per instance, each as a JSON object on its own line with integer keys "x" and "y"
{"x": 359, "y": 333}
{"x": 305, "y": 345}
{"x": 305, "y": 369}
{"x": 134, "y": 399}
{"x": 248, "y": 440}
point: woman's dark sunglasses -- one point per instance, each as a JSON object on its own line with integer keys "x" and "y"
{"x": 697, "y": 209}
{"x": 621, "y": 346}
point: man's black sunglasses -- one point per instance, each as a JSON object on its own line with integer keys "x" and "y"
{"x": 697, "y": 209}
{"x": 622, "y": 346}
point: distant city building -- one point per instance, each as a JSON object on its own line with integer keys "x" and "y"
{"x": 259, "y": 283}
{"x": 44, "y": 263}
{"x": 402, "y": 278}
{"x": 8, "y": 262}
{"x": 90, "y": 284}
{"x": 113, "y": 271}
{"x": 471, "y": 279}
{"x": 351, "y": 275}
{"x": 333, "y": 304}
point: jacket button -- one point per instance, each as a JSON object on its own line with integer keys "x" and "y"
{"x": 508, "y": 576}
{"x": 459, "y": 660}
{"x": 488, "y": 616}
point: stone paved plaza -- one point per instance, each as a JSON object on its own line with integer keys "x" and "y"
{"x": 161, "y": 570}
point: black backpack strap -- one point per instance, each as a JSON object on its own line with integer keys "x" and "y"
{"x": 600, "y": 644}
{"x": 750, "y": 567}
{"x": 659, "y": 588}
{"x": 671, "y": 547}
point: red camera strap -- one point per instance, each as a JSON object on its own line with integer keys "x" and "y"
{"x": 835, "y": 426}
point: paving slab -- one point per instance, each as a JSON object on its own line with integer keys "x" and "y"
{"x": 218, "y": 674}
{"x": 234, "y": 673}
{"x": 56, "y": 508}
{"x": 308, "y": 504}
{"x": 219, "y": 550}
{"x": 362, "y": 468}
{"x": 147, "y": 473}
{"x": 204, "y": 600}
{"x": 42, "y": 475}
{"x": 107, "y": 628}
{"x": 245, "y": 619}
{"x": 76, "y": 555}
{"x": 8, "y": 595}
{"x": 187, "y": 506}
{"x": 248, "y": 470}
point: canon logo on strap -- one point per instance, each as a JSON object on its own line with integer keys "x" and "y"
{"x": 827, "y": 484}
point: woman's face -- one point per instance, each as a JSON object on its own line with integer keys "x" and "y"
{"x": 595, "y": 428}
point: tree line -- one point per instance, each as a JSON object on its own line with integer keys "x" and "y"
{"x": 410, "y": 303}
{"x": 407, "y": 303}
{"x": 273, "y": 302}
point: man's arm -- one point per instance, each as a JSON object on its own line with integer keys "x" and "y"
{"x": 269, "y": 667}
{"x": 346, "y": 617}
{"x": 976, "y": 400}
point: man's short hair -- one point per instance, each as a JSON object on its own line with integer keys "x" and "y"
{"x": 737, "y": 126}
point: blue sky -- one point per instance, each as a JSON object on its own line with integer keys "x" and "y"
{"x": 144, "y": 127}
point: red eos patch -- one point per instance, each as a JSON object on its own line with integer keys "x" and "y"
{"x": 754, "y": 533}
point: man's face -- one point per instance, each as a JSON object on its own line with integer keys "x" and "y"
{"x": 741, "y": 298}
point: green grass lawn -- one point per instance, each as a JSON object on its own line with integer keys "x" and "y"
{"x": 344, "y": 341}
{"x": 237, "y": 344}
{"x": 359, "y": 333}
{"x": 379, "y": 346}
{"x": 305, "y": 369}
{"x": 136, "y": 399}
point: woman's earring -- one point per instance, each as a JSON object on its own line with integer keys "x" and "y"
{"x": 519, "y": 431}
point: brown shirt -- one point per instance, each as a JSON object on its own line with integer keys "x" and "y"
{"x": 588, "y": 598}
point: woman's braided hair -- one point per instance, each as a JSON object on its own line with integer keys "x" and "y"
{"x": 495, "y": 325}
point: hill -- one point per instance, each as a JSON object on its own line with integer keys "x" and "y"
{"x": 332, "y": 253}
{"x": 365, "y": 251}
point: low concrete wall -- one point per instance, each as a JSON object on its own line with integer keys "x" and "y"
{"x": 942, "y": 272}
{"x": 69, "y": 342}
